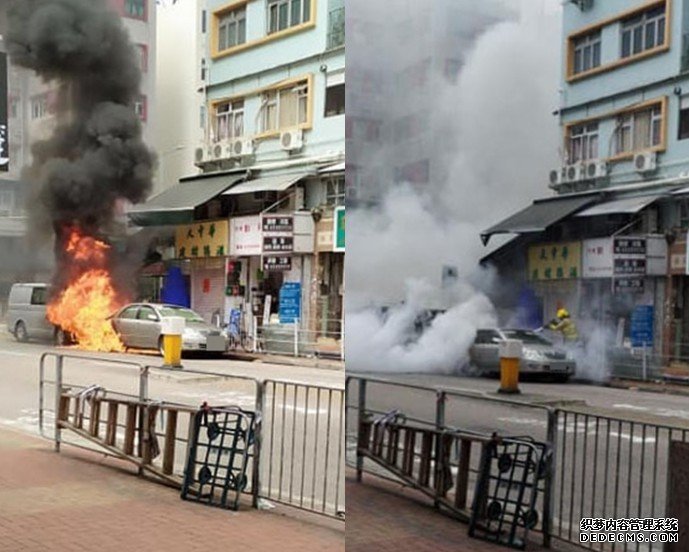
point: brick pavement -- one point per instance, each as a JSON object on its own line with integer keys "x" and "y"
{"x": 82, "y": 501}
{"x": 387, "y": 517}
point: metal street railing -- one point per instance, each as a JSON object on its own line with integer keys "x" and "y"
{"x": 304, "y": 447}
{"x": 299, "y": 341}
{"x": 135, "y": 408}
{"x": 604, "y": 465}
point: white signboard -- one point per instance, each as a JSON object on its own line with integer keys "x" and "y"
{"x": 624, "y": 256}
{"x": 597, "y": 258}
{"x": 246, "y": 236}
{"x": 304, "y": 230}
{"x": 656, "y": 255}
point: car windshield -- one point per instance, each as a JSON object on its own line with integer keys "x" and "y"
{"x": 187, "y": 314}
{"x": 527, "y": 337}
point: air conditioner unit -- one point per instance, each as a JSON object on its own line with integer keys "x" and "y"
{"x": 596, "y": 169}
{"x": 291, "y": 140}
{"x": 202, "y": 155}
{"x": 572, "y": 173}
{"x": 218, "y": 152}
{"x": 242, "y": 147}
{"x": 555, "y": 177}
{"x": 645, "y": 162}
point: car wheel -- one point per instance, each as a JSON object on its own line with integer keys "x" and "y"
{"x": 20, "y": 333}
{"x": 561, "y": 378}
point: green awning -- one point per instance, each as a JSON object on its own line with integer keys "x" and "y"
{"x": 278, "y": 183}
{"x": 539, "y": 216}
{"x": 176, "y": 205}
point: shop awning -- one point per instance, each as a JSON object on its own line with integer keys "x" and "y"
{"x": 267, "y": 184}
{"x": 627, "y": 205}
{"x": 538, "y": 216}
{"x": 339, "y": 167}
{"x": 176, "y": 205}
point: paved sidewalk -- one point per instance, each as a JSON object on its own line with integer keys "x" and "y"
{"x": 311, "y": 362}
{"x": 387, "y": 517}
{"x": 81, "y": 501}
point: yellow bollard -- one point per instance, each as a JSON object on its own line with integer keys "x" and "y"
{"x": 510, "y": 357}
{"x": 172, "y": 328}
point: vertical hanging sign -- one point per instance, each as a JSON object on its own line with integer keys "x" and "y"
{"x": 4, "y": 133}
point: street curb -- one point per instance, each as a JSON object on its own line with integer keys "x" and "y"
{"x": 284, "y": 362}
{"x": 181, "y": 377}
{"x": 535, "y": 400}
{"x": 301, "y": 362}
{"x": 660, "y": 388}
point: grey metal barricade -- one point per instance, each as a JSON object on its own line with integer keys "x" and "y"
{"x": 604, "y": 465}
{"x": 610, "y": 467}
{"x": 444, "y": 407}
{"x": 317, "y": 453}
{"x": 303, "y": 446}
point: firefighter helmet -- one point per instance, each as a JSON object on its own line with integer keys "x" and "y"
{"x": 563, "y": 313}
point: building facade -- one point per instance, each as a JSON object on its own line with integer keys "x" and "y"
{"x": 32, "y": 113}
{"x": 409, "y": 140}
{"x": 611, "y": 244}
{"x": 270, "y": 170}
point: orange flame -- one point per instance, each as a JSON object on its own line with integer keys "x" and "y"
{"x": 82, "y": 308}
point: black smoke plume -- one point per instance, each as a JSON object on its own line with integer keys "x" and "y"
{"x": 96, "y": 154}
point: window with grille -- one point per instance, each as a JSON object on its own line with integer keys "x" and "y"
{"x": 141, "y": 108}
{"x": 142, "y": 57}
{"x": 135, "y": 8}
{"x": 335, "y": 94}
{"x": 335, "y": 191}
{"x": 640, "y": 130}
{"x": 39, "y": 107}
{"x": 284, "y": 108}
{"x": 683, "y": 126}
{"x": 643, "y": 32}
{"x": 229, "y": 120}
{"x": 582, "y": 143}
{"x": 232, "y": 29}
{"x": 587, "y": 52}
{"x": 283, "y": 14}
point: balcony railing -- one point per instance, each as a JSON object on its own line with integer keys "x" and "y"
{"x": 336, "y": 28}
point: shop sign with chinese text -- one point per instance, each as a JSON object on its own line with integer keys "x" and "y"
{"x": 554, "y": 261}
{"x": 631, "y": 255}
{"x": 628, "y": 285}
{"x": 273, "y": 263}
{"x": 278, "y": 223}
{"x": 278, "y": 244}
{"x": 202, "y": 239}
{"x": 246, "y": 236}
{"x": 629, "y": 246}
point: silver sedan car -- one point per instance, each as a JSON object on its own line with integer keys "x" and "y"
{"x": 539, "y": 355}
{"x": 139, "y": 326}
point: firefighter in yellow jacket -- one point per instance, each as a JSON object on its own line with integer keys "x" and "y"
{"x": 565, "y": 325}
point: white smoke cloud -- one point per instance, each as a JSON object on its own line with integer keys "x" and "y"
{"x": 499, "y": 118}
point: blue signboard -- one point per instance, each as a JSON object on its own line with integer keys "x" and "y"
{"x": 642, "y": 326}
{"x": 290, "y": 302}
